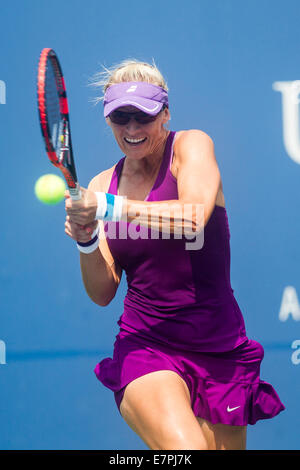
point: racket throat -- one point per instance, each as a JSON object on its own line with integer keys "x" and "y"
{"x": 75, "y": 193}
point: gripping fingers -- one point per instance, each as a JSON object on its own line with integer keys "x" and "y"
{"x": 70, "y": 230}
{"x": 79, "y": 232}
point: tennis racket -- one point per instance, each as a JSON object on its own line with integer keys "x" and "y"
{"x": 54, "y": 118}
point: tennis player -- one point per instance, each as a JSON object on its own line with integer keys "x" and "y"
{"x": 183, "y": 372}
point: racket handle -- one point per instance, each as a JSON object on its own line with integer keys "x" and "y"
{"x": 75, "y": 193}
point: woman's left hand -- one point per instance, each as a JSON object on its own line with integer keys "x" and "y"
{"x": 81, "y": 212}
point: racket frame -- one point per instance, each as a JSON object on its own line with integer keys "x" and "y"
{"x": 64, "y": 161}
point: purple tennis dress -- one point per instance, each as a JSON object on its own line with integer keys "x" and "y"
{"x": 180, "y": 314}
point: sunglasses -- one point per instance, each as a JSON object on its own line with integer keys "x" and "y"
{"x": 122, "y": 118}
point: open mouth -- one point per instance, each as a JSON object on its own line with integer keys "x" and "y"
{"x": 134, "y": 141}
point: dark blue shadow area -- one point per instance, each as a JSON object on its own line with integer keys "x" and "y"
{"x": 53, "y": 400}
{"x": 21, "y": 356}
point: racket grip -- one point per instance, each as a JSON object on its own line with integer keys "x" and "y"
{"x": 75, "y": 193}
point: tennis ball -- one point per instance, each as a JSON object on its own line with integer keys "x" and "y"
{"x": 50, "y": 189}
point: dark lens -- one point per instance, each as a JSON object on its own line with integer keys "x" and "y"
{"x": 122, "y": 118}
{"x": 143, "y": 118}
{"x": 118, "y": 117}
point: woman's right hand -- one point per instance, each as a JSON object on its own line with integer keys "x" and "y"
{"x": 80, "y": 233}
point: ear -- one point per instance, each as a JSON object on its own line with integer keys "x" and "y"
{"x": 108, "y": 121}
{"x": 166, "y": 115}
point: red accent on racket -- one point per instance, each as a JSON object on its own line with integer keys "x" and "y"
{"x": 54, "y": 118}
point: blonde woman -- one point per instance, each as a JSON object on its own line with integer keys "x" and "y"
{"x": 184, "y": 373}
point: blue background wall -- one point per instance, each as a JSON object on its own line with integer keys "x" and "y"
{"x": 220, "y": 58}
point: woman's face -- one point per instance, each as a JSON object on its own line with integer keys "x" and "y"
{"x": 139, "y": 140}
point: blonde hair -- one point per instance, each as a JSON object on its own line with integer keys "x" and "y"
{"x": 129, "y": 70}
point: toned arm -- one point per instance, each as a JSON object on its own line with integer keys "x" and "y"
{"x": 198, "y": 182}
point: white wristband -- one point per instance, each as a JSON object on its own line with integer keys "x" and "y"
{"x": 109, "y": 206}
{"x": 118, "y": 207}
{"x": 102, "y": 205}
{"x": 92, "y": 245}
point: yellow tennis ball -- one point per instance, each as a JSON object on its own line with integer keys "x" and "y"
{"x": 50, "y": 189}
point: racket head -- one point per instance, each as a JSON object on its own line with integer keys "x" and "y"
{"x": 54, "y": 118}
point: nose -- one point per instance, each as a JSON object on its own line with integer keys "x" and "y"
{"x": 132, "y": 125}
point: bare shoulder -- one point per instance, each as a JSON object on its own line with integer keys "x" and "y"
{"x": 101, "y": 181}
{"x": 192, "y": 138}
{"x": 194, "y": 151}
{"x": 188, "y": 144}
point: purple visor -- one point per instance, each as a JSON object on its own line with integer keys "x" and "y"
{"x": 144, "y": 96}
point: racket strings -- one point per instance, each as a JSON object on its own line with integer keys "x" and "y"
{"x": 54, "y": 117}
{"x": 55, "y": 122}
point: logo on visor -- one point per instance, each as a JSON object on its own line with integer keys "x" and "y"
{"x": 131, "y": 89}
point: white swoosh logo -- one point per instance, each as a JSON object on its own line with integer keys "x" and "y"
{"x": 144, "y": 107}
{"x": 232, "y": 409}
